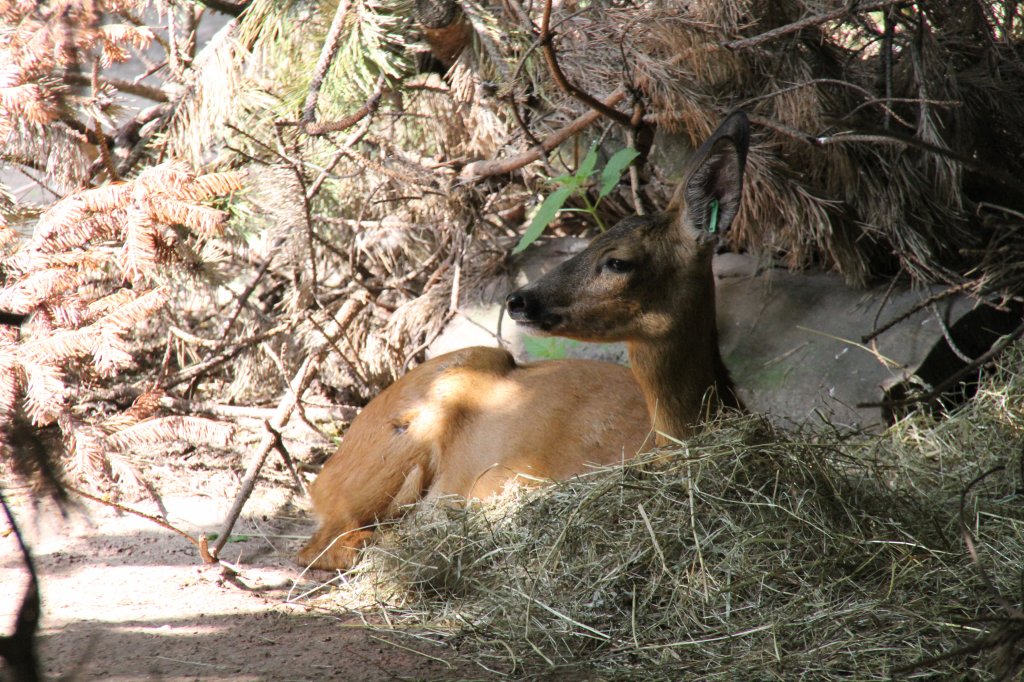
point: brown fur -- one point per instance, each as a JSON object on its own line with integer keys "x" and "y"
{"x": 465, "y": 424}
{"x": 469, "y": 422}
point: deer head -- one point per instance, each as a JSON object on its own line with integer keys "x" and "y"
{"x": 648, "y": 282}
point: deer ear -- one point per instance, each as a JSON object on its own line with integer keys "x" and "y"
{"x": 709, "y": 196}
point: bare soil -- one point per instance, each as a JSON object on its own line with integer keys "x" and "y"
{"x": 124, "y": 599}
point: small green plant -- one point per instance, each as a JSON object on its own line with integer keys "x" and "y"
{"x": 548, "y": 347}
{"x": 577, "y": 183}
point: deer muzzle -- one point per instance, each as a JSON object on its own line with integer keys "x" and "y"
{"x": 528, "y": 310}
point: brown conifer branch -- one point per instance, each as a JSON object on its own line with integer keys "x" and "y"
{"x": 368, "y": 108}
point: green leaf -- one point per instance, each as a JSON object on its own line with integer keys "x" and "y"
{"x": 587, "y": 165}
{"x": 547, "y": 212}
{"x": 614, "y": 168}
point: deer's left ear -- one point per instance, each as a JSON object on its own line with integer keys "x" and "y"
{"x": 713, "y": 183}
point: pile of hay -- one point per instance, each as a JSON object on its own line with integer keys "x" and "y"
{"x": 746, "y": 553}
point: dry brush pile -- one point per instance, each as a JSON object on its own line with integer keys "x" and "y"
{"x": 278, "y": 204}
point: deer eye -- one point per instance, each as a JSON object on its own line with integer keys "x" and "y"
{"x": 618, "y": 265}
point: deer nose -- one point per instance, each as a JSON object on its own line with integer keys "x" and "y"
{"x": 528, "y": 309}
{"x": 520, "y": 307}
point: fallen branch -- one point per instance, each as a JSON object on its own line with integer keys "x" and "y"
{"x": 478, "y": 170}
{"x": 267, "y": 444}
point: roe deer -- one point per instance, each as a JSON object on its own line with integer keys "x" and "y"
{"x": 468, "y": 422}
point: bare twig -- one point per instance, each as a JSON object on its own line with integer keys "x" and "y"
{"x": 934, "y": 298}
{"x": 242, "y": 299}
{"x": 137, "y": 89}
{"x": 200, "y": 542}
{"x": 299, "y": 384}
{"x": 300, "y": 409}
{"x": 289, "y": 463}
{"x": 948, "y": 335}
{"x": 369, "y": 107}
{"x": 193, "y": 371}
{"x": 954, "y": 378}
{"x": 350, "y": 141}
{"x": 807, "y": 22}
{"x": 546, "y": 40}
{"x": 478, "y": 170}
{"x": 888, "y": 137}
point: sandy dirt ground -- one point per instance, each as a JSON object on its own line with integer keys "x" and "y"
{"x": 124, "y": 599}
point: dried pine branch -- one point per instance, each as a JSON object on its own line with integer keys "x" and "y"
{"x": 69, "y": 278}
{"x": 194, "y": 431}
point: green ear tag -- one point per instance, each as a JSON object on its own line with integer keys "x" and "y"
{"x": 713, "y": 224}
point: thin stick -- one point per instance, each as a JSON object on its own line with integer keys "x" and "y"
{"x": 137, "y": 89}
{"x": 369, "y": 107}
{"x": 934, "y": 298}
{"x": 808, "y": 22}
{"x": 200, "y": 542}
{"x": 298, "y": 386}
{"x": 478, "y": 170}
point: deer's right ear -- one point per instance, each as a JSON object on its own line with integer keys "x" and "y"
{"x": 713, "y": 183}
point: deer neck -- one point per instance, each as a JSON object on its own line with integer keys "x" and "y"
{"x": 681, "y": 372}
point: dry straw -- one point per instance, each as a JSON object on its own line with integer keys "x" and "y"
{"x": 745, "y": 553}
